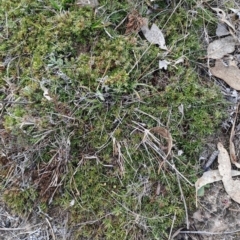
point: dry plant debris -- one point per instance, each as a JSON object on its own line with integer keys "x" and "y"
{"x": 222, "y": 30}
{"x": 166, "y": 135}
{"x": 225, "y": 19}
{"x": 221, "y": 47}
{"x": 224, "y": 173}
{"x": 228, "y": 26}
{"x": 76, "y": 50}
{"x": 134, "y": 23}
{"x": 163, "y": 64}
{"x": 153, "y": 35}
{"x": 211, "y": 177}
{"x": 232, "y": 150}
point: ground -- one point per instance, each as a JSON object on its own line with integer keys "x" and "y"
{"x": 98, "y": 141}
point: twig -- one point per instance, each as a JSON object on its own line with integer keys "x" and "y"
{"x": 17, "y": 229}
{"x": 211, "y": 160}
{"x": 180, "y": 2}
{"x": 210, "y": 233}
{"x": 183, "y": 199}
{"x": 158, "y": 150}
{"x": 53, "y": 235}
{"x": 93, "y": 221}
{"x": 5, "y": 101}
{"x": 234, "y": 210}
{"x": 232, "y": 151}
{"x": 170, "y": 234}
{"x": 180, "y": 174}
{"x": 136, "y": 63}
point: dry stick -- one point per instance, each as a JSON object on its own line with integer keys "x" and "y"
{"x": 211, "y": 160}
{"x": 6, "y": 101}
{"x": 210, "y": 233}
{"x": 157, "y": 150}
{"x": 17, "y": 229}
{"x": 183, "y": 199}
{"x": 6, "y": 19}
{"x": 124, "y": 19}
{"x": 53, "y": 235}
{"x": 180, "y": 174}
{"x": 145, "y": 70}
{"x": 12, "y": 229}
{"x": 231, "y": 144}
{"x": 234, "y": 210}
{"x": 170, "y": 234}
{"x": 136, "y": 63}
{"x": 180, "y": 2}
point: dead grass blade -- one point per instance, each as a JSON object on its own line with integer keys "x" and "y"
{"x": 163, "y": 132}
{"x": 232, "y": 151}
{"x": 176, "y": 233}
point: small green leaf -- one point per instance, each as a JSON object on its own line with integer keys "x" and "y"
{"x": 200, "y": 192}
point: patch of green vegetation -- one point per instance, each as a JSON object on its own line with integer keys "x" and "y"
{"x": 90, "y": 149}
{"x": 19, "y": 200}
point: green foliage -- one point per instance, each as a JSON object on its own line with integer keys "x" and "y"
{"x": 106, "y": 91}
{"x": 20, "y": 201}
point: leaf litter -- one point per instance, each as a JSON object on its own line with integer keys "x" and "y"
{"x": 231, "y": 186}
{"x": 221, "y": 47}
{"x": 229, "y": 73}
{"x": 211, "y": 177}
{"x": 224, "y": 172}
{"x": 222, "y": 30}
{"x": 229, "y": 33}
{"x": 154, "y": 35}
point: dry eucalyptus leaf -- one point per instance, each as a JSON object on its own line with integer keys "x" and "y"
{"x": 153, "y": 35}
{"x": 230, "y": 74}
{"x": 218, "y": 48}
{"x": 222, "y": 30}
{"x": 211, "y": 177}
{"x": 231, "y": 186}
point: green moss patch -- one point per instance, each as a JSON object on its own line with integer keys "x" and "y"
{"x": 86, "y": 143}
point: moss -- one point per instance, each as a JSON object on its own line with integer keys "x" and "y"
{"x": 20, "y": 201}
{"x": 105, "y": 92}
